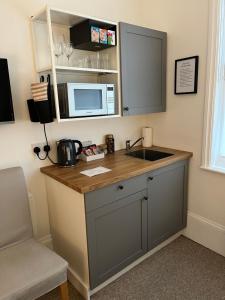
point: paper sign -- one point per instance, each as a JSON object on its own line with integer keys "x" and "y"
{"x": 95, "y": 171}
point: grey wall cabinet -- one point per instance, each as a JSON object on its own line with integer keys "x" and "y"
{"x": 167, "y": 202}
{"x": 143, "y": 69}
{"x": 117, "y": 235}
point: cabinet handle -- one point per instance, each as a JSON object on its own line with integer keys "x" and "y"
{"x": 150, "y": 178}
{"x": 120, "y": 187}
{"x": 126, "y": 108}
{"x": 145, "y": 198}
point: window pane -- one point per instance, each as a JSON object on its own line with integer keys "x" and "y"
{"x": 218, "y": 138}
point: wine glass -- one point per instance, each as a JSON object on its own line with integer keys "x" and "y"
{"x": 68, "y": 50}
{"x": 58, "y": 50}
{"x": 105, "y": 61}
{"x": 98, "y": 60}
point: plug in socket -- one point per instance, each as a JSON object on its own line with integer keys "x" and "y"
{"x": 36, "y": 150}
{"x": 47, "y": 148}
{"x": 40, "y": 146}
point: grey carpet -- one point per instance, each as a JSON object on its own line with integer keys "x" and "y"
{"x": 183, "y": 270}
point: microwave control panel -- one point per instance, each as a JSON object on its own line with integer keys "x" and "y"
{"x": 110, "y": 99}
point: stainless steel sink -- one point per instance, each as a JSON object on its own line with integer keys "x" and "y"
{"x": 148, "y": 154}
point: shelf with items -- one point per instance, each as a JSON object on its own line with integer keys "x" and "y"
{"x": 83, "y": 70}
{"x": 88, "y": 81}
{"x": 103, "y": 59}
{"x": 77, "y": 69}
{"x": 52, "y": 27}
{"x": 90, "y": 118}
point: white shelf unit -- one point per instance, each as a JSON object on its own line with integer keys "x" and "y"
{"x": 52, "y": 25}
{"x": 83, "y": 70}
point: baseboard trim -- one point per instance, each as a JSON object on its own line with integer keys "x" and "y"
{"x": 206, "y": 232}
{"x": 46, "y": 240}
{"x": 78, "y": 284}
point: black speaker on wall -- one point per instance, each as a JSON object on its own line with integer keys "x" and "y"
{"x": 39, "y": 111}
{"x": 44, "y": 111}
{"x": 32, "y": 111}
{"x": 6, "y": 104}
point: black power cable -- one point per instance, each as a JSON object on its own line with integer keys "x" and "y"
{"x": 47, "y": 148}
{"x": 37, "y": 151}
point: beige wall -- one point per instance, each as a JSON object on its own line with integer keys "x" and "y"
{"x": 16, "y": 139}
{"x": 181, "y": 126}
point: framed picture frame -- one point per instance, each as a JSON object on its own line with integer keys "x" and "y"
{"x": 186, "y": 75}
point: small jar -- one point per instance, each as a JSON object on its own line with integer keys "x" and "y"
{"x": 109, "y": 140}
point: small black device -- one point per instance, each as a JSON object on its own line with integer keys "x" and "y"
{"x": 67, "y": 153}
{"x": 6, "y": 105}
{"x": 42, "y": 111}
{"x": 32, "y": 111}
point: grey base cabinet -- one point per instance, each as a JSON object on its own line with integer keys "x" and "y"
{"x": 167, "y": 202}
{"x": 143, "y": 69}
{"x": 117, "y": 235}
{"x": 127, "y": 219}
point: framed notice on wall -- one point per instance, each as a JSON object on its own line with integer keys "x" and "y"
{"x": 186, "y": 75}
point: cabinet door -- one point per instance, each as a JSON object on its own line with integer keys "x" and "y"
{"x": 167, "y": 206}
{"x": 143, "y": 69}
{"x": 117, "y": 235}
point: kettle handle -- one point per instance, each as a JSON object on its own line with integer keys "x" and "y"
{"x": 80, "y": 147}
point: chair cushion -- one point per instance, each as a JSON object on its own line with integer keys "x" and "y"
{"x": 28, "y": 270}
{"x": 15, "y": 224}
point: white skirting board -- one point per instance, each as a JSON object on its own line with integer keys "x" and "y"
{"x": 206, "y": 233}
{"x": 47, "y": 241}
{"x": 78, "y": 284}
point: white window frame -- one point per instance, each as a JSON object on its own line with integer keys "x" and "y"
{"x": 210, "y": 161}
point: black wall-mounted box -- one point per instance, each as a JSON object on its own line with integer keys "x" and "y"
{"x": 80, "y": 35}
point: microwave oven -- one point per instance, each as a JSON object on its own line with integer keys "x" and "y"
{"x": 86, "y": 99}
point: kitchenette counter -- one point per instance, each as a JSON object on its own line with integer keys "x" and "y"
{"x": 122, "y": 166}
{"x": 147, "y": 199}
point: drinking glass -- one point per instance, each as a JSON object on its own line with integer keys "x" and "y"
{"x": 105, "y": 61}
{"x": 58, "y": 50}
{"x": 93, "y": 62}
{"x": 68, "y": 50}
{"x": 98, "y": 60}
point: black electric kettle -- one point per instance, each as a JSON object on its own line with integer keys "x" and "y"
{"x": 67, "y": 153}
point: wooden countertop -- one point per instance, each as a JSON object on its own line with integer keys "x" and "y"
{"x": 122, "y": 166}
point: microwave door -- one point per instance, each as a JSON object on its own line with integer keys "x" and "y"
{"x": 88, "y": 100}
